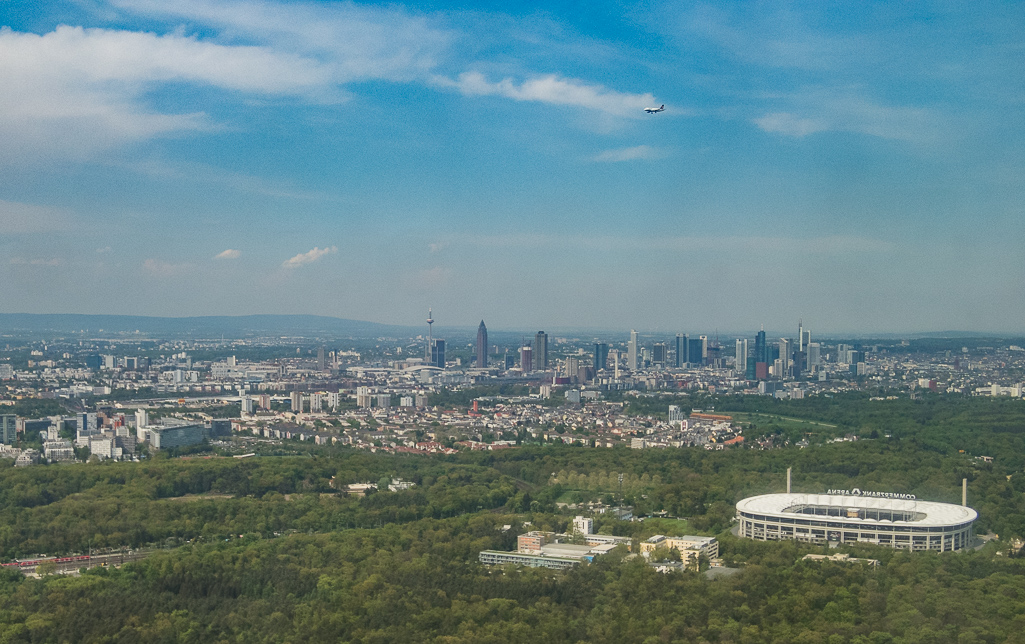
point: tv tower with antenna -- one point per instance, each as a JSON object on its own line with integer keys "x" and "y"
{"x": 430, "y": 336}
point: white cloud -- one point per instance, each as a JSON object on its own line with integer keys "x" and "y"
{"x": 789, "y": 124}
{"x": 309, "y": 256}
{"x": 847, "y": 110}
{"x": 73, "y": 92}
{"x": 638, "y": 152}
{"x": 230, "y": 253}
{"x": 354, "y": 42}
{"x": 554, "y": 90}
{"x": 164, "y": 269}
{"x": 22, "y": 218}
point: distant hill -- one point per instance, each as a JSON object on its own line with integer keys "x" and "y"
{"x": 203, "y": 326}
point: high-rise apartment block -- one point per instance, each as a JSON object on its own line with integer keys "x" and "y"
{"x": 8, "y": 429}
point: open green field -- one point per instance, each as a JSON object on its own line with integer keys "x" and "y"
{"x": 668, "y": 527}
{"x": 753, "y": 417}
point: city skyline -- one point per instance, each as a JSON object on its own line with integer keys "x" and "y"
{"x": 859, "y": 165}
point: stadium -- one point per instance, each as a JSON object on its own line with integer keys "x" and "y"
{"x": 842, "y": 516}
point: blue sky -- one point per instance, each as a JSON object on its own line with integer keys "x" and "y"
{"x": 857, "y": 165}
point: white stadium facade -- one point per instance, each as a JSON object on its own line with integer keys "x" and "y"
{"x": 853, "y": 516}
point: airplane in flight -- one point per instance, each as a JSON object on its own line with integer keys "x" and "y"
{"x": 653, "y": 110}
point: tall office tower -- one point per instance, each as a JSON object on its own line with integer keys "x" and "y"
{"x": 785, "y": 355}
{"x": 614, "y": 354}
{"x": 814, "y": 354}
{"x": 694, "y": 351}
{"x": 482, "y": 346}
{"x": 601, "y": 355}
{"x": 540, "y": 351}
{"x": 803, "y": 337}
{"x": 141, "y": 418}
{"x": 681, "y": 350}
{"x": 297, "y": 402}
{"x": 321, "y": 359}
{"x": 428, "y": 351}
{"x": 704, "y": 348}
{"x": 658, "y": 354}
{"x": 740, "y": 363}
{"x": 8, "y": 429}
{"x": 438, "y": 354}
{"x": 761, "y": 349}
{"x": 572, "y": 366}
{"x": 631, "y": 352}
{"x": 526, "y": 359}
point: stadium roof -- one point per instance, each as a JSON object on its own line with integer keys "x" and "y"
{"x": 936, "y": 514}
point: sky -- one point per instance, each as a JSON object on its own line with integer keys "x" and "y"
{"x": 860, "y": 166}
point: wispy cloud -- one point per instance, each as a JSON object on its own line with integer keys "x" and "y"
{"x": 555, "y": 90}
{"x": 164, "y": 269}
{"x": 351, "y": 42}
{"x": 848, "y": 110}
{"x": 230, "y": 253}
{"x": 789, "y": 124}
{"x": 309, "y": 256}
{"x": 636, "y": 153}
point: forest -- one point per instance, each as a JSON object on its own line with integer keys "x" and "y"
{"x": 269, "y": 549}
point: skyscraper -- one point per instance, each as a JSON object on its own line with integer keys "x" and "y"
{"x": 740, "y": 362}
{"x": 321, "y": 360}
{"x": 601, "y": 355}
{"x": 526, "y": 359}
{"x": 482, "y": 346}
{"x": 786, "y": 352}
{"x": 631, "y": 352}
{"x": 803, "y": 337}
{"x": 438, "y": 354}
{"x": 681, "y": 350}
{"x": 694, "y": 351}
{"x": 658, "y": 353}
{"x": 540, "y": 351}
{"x": 704, "y": 348}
